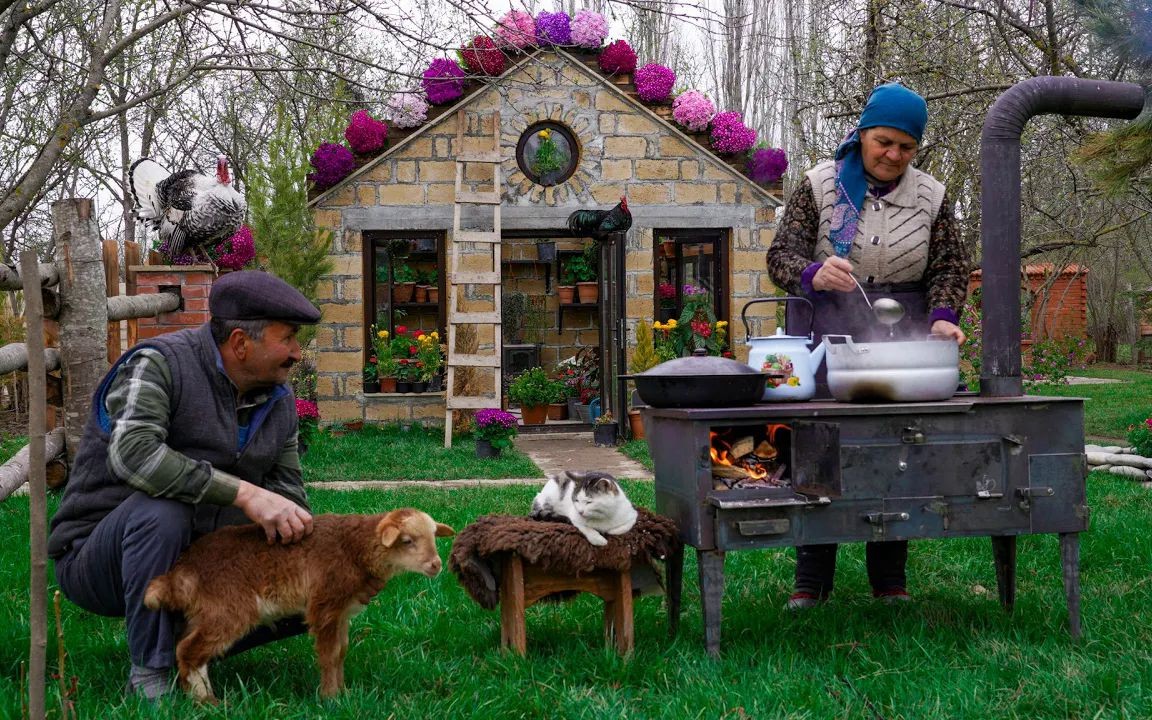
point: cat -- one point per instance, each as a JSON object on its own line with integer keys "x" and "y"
{"x": 593, "y": 502}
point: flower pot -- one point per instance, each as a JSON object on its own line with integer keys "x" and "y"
{"x": 584, "y": 412}
{"x": 558, "y": 411}
{"x": 436, "y": 384}
{"x": 484, "y": 449}
{"x": 433, "y": 294}
{"x": 419, "y": 386}
{"x": 371, "y": 386}
{"x": 636, "y": 424}
{"x": 566, "y": 294}
{"x": 388, "y": 385}
{"x": 403, "y": 292}
{"x": 573, "y": 404}
{"x": 589, "y": 292}
{"x": 604, "y": 435}
{"x": 354, "y": 425}
{"x": 403, "y": 386}
{"x": 421, "y": 294}
{"x": 546, "y": 251}
{"x": 534, "y": 414}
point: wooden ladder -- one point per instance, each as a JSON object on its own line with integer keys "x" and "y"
{"x": 457, "y": 280}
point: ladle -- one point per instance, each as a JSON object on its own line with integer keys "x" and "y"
{"x": 887, "y": 310}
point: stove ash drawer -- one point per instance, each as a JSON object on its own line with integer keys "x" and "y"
{"x": 975, "y": 468}
{"x": 839, "y": 521}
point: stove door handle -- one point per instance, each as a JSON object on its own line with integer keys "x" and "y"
{"x": 880, "y": 518}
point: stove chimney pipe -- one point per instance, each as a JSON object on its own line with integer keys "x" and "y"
{"x": 1000, "y": 204}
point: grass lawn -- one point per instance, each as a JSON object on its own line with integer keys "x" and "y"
{"x": 423, "y": 649}
{"x": 1112, "y": 407}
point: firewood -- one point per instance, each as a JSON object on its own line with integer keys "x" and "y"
{"x": 743, "y": 446}
{"x": 729, "y": 471}
{"x": 765, "y": 450}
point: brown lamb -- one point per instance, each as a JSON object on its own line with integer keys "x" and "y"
{"x": 230, "y": 581}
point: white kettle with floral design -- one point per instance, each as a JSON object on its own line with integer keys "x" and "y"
{"x": 788, "y": 360}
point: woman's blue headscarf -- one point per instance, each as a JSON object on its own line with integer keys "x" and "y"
{"x": 893, "y": 106}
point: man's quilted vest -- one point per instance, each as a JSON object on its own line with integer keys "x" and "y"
{"x": 892, "y": 236}
{"x": 202, "y": 425}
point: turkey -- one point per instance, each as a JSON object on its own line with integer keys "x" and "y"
{"x": 598, "y": 224}
{"x": 191, "y": 210}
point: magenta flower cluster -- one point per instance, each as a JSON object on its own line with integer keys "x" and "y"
{"x": 407, "y": 110}
{"x": 730, "y": 134}
{"x": 654, "y": 82}
{"x": 482, "y": 57}
{"x": 365, "y": 134}
{"x": 333, "y": 163}
{"x": 181, "y": 259}
{"x": 693, "y": 110}
{"x": 767, "y": 165}
{"x": 307, "y": 410}
{"x": 589, "y": 28}
{"x": 553, "y": 28}
{"x": 443, "y": 81}
{"x": 237, "y": 251}
{"x": 495, "y": 426}
{"x": 618, "y": 58}
{"x": 517, "y": 29}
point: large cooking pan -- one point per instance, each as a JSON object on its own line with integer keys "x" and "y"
{"x": 907, "y": 371}
{"x": 700, "y": 381}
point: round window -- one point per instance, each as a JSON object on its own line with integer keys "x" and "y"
{"x": 547, "y": 153}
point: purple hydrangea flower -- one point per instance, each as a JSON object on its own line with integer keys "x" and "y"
{"x": 589, "y": 29}
{"x": 553, "y": 28}
{"x": 333, "y": 163}
{"x": 443, "y": 81}
{"x": 365, "y": 134}
{"x": 654, "y": 82}
{"x": 618, "y": 58}
{"x": 767, "y": 165}
{"x": 730, "y": 134}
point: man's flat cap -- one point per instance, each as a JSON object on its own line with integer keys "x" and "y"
{"x": 256, "y": 295}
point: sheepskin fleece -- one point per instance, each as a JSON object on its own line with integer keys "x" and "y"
{"x": 479, "y": 549}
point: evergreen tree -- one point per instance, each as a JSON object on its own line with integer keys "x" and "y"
{"x": 644, "y": 356}
{"x": 287, "y": 241}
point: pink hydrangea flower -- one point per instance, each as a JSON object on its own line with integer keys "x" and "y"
{"x": 482, "y": 57}
{"x": 365, "y": 134}
{"x": 443, "y": 81}
{"x": 654, "y": 82}
{"x": 516, "y": 29}
{"x": 237, "y": 251}
{"x": 693, "y": 110}
{"x": 730, "y": 134}
{"x": 618, "y": 58}
{"x": 407, "y": 110}
{"x": 589, "y": 29}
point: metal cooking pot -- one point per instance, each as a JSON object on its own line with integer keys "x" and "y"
{"x": 700, "y": 381}
{"x": 907, "y": 371}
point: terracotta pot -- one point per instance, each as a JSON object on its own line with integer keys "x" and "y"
{"x": 403, "y": 292}
{"x": 567, "y": 294}
{"x": 636, "y": 424}
{"x": 433, "y": 294}
{"x": 534, "y": 414}
{"x": 589, "y": 292}
{"x": 388, "y": 385}
{"x": 558, "y": 411}
{"x": 354, "y": 425}
{"x": 421, "y": 294}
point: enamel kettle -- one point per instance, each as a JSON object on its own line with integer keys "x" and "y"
{"x": 791, "y": 365}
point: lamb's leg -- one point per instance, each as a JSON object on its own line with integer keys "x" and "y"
{"x": 205, "y": 639}
{"x": 330, "y": 629}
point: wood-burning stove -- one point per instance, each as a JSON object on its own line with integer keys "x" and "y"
{"x": 968, "y": 466}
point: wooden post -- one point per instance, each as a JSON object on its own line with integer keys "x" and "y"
{"x": 131, "y": 259}
{"x": 111, "y": 251}
{"x": 38, "y": 503}
{"x": 83, "y": 311}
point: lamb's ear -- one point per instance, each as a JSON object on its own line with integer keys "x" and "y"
{"x": 443, "y": 530}
{"x": 388, "y": 532}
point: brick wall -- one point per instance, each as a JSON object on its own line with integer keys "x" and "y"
{"x": 1059, "y": 306}
{"x": 194, "y": 283}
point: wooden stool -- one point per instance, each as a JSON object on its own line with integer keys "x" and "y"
{"x": 522, "y": 585}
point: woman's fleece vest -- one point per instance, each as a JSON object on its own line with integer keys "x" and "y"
{"x": 202, "y": 425}
{"x": 893, "y": 234}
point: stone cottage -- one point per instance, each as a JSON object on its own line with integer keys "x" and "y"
{"x": 571, "y": 138}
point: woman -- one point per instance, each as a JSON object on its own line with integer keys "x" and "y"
{"x": 868, "y": 216}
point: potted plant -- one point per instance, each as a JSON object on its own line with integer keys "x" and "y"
{"x": 308, "y": 417}
{"x": 381, "y": 283}
{"x": 404, "y": 283}
{"x": 546, "y": 250}
{"x": 643, "y": 358}
{"x": 604, "y": 430}
{"x": 494, "y": 432}
{"x": 386, "y": 366}
{"x": 580, "y": 272}
{"x": 534, "y": 391}
{"x": 433, "y": 278}
{"x": 430, "y": 356}
{"x": 371, "y": 379}
{"x": 421, "y": 294}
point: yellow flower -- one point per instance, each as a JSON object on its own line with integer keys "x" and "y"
{"x": 435, "y": 335}
{"x": 793, "y": 381}
{"x": 382, "y": 334}
{"x": 420, "y": 336}
{"x": 721, "y": 323}
{"x": 671, "y": 323}
{"x": 545, "y": 134}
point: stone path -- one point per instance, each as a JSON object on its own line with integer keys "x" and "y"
{"x": 1092, "y": 381}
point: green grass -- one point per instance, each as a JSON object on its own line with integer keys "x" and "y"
{"x": 638, "y": 451}
{"x": 9, "y": 446}
{"x": 1110, "y": 408}
{"x": 423, "y": 649}
{"x": 418, "y": 453}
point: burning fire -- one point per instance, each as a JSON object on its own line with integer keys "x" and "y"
{"x": 724, "y": 456}
{"x": 747, "y": 460}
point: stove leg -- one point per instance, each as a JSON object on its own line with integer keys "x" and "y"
{"x": 1070, "y": 563}
{"x": 711, "y": 564}
{"x": 1004, "y": 553}
{"x": 674, "y": 579}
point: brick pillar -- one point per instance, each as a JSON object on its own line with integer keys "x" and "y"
{"x": 194, "y": 283}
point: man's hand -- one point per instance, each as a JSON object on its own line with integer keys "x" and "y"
{"x": 834, "y": 274}
{"x": 275, "y": 513}
{"x": 947, "y": 329}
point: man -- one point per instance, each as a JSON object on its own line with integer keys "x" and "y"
{"x": 188, "y": 432}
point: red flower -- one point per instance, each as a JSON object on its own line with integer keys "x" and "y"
{"x": 401, "y": 329}
{"x": 412, "y": 349}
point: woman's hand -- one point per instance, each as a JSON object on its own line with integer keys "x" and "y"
{"x": 945, "y": 329}
{"x": 834, "y": 274}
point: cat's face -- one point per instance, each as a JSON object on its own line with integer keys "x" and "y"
{"x": 594, "y": 491}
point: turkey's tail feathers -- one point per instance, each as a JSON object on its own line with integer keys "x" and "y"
{"x": 144, "y": 176}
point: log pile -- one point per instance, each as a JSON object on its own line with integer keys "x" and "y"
{"x": 746, "y": 464}
{"x": 1117, "y": 460}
